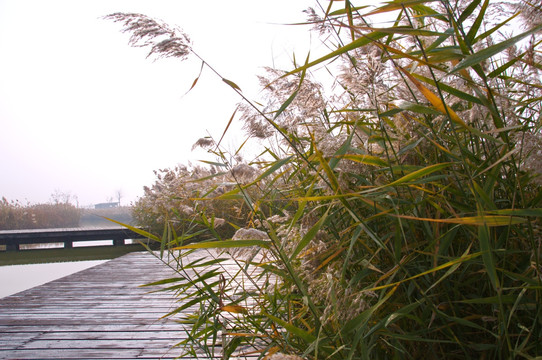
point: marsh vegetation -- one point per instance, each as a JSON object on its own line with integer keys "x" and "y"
{"x": 393, "y": 212}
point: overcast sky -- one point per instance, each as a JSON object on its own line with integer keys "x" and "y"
{"x": 84, "y": 113}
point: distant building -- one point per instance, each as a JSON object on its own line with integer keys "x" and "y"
{"x": 107, "y": 205}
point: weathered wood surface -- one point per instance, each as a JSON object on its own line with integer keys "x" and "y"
{"x": 98, "y": 313}
{"x": 13, "y": 238}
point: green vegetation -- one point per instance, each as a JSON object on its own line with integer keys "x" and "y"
{"x": 42, "y": 256}
{"x": 395, "y": 214}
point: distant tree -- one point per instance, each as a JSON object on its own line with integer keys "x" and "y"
{"x": 119, "y": 195}
{"x": 63, "y": 197}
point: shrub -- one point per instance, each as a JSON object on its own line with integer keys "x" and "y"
{"x": 188, "y": 200}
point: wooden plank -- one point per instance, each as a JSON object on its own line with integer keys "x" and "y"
{"x": 106, "y": 335}
{"x": 5, "y": 329}
{"x": 120, "y": 344}
{"x": 81, "y": 354}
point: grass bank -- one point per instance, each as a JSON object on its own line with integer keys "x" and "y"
{"x": 40, "y": 256}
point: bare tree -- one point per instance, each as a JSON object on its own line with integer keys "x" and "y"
{"x": 119, "y": 195}
{"x": 63, "y": 197}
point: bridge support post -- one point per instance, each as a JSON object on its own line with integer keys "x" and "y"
{"x": 68, "y": 244}
{"x": 12, "y": 247}
{"x": 118, "y": 241}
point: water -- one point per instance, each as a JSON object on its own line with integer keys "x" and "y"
{"x": 16, "y": 278}
{"x": 74, "y": 244}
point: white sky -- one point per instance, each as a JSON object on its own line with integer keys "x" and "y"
{"x": 84, "y": 113}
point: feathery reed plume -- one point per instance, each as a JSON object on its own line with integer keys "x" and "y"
{"x": 204, "y": 143}
{"x": 163, "y": 40}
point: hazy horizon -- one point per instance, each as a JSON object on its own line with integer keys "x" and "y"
{"x": 81, "y": 112}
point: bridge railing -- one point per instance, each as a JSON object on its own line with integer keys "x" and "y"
{"x": 12, "y": 239}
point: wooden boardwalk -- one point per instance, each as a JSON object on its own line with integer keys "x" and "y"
{"x": 98, "y": 313}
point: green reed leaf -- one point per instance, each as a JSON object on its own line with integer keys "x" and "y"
{"x": 186, "y": 305}
{"x": 468, "y": 11}
{"x": 402, "y": 312}
{"x": 495, "y": 28}
{"x": 487, "y": 256}
{"x": 483, "y": 220}
{"x": 214, "y": 163}
{"x": 397, "y": 5}
{"x": 483, "y": 196}
{"x": 333, "y": 181}
{"x": 165, "y": 281}
{"x": 139, "y": 231}
{"x": 414, "y": 176}
{"x": 404, "y": 30}
{"x": 498, "y": 71}
{"x": 518, "y": 212}
{"x": 309, "y": 235}
{"x": 449, "y": 32}
{"x": 341, "y": 151}
{"x": 360, "y": 42}
{"x": 462, "y": 321}
{"x": 344, "y": 11}
{"x": 225, "y": 244}
{"x": 232, "y": 84}
{"x": 453, "y": 262}
{"x": 306, "y": 336}
{"x": 424, "y": 10}
{"x": 270, "y": 170}
{"x": 486, "y": 53}
{"x": 477, "y": 23}
{"x": 365, "y": 159}
{"x": 450, "y": 271}
{"x": 504, "y": 299}
{"x": 361, "y": 320}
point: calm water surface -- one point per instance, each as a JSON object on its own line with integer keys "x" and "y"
{"x": 16, "y": 278}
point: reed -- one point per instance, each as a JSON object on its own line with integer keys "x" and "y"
{"x": 394, "y": 215}
{"x": 15, "y": 215}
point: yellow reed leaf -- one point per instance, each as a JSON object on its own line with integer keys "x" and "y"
{"x": 246, "y": 335}
{"x": 237, "y": 309}
{"x": 486, "y": 220}
{"x": 435, "y": 100}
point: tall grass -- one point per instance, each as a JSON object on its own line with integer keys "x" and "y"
{"x": 398, "y": 215}
{"x": 16, "y": 216}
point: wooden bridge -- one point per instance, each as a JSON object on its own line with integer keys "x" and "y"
{"x": 13, "y": 239}
{"x": 99, "y": 313}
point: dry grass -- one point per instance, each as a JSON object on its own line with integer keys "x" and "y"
{"x": 14, "y": 215}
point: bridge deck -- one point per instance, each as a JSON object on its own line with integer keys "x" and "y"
{"x": 98, "y": 313}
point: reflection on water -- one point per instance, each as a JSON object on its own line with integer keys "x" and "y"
{"x": 16, "y": 278}
{"x": 75, "y": 244}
